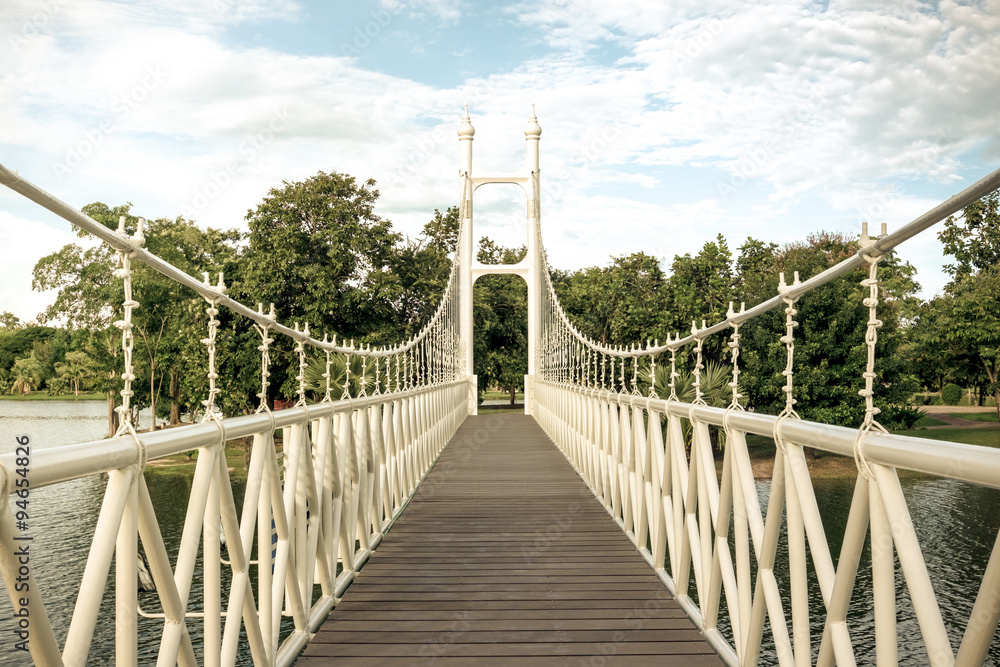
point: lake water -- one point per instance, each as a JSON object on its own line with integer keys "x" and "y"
{"x": 62, "y": 521}
{"x": 957, "y": 525}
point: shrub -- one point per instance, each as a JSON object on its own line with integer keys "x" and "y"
{"x": 951, "y": 394}
{"x": 900, "y": 416}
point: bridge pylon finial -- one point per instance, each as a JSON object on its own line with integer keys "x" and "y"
{"x": 532, "y": 130}
{"x": 465, "y": 130}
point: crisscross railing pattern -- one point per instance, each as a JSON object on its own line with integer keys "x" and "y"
{"x": 313, "y": 509}
{"x": 703, "y": 530}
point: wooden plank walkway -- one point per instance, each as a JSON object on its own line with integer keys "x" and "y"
{"x": 504, "y": 556}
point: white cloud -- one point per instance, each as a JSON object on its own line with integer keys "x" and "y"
{"x": 446, "y": 11}
{"x": 853, "y": 109}
{"x": 22, "y": 242}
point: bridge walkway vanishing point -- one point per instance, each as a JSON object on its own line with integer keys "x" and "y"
{"x": 505, "y": 554}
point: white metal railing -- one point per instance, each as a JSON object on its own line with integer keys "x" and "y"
{"x": 344, "y": 473}
{"x": 631, "y": 450}
{"x": 664, "y": 490}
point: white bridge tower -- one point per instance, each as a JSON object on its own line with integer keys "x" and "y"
{"x": 528, "y": 268}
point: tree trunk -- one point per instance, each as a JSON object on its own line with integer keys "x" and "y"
{"x": 152, "y": 398}
{"x": 513, "y": 395}
{"x": 996, "y": 397}
{"x": 993, "y": 373}
{"x": 112, "y": 415}
{"x": 175, "y": 397}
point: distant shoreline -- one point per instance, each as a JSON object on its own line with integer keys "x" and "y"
{"x": 38, "y": 396}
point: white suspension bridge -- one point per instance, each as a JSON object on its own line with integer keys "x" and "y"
{"x": 349, "y": 468}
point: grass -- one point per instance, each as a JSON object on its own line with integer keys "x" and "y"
{"x": 40, "y": 396}
{"x": 985, "y": 437}
{"x": 926, "y": 421}
{"x": 502, "y": 396}
{"x": 179, "y": 464}
{"x": 518, "y": 408}
{"x": 935, "y": 399}
{"x": 976, "y": 416}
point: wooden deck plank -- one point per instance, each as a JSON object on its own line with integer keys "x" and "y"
{"x": 442, "y": 644}
{"x": 504, "y": 553}
{"x": 599, "y": 660}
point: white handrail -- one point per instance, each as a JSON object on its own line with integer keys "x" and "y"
{"x": 632, "y": 453}
{"x": 346, "y": 470}
{"x": 356, "y": 462}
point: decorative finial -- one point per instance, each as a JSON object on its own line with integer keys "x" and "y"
{"x": 465, "y": 130}
{"x": 532, "y": 130}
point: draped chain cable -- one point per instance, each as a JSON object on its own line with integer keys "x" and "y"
{"x": 652, "y": 372}
{"x": 789, "y": 340}
{"x": 363, "y": 391}
{"x": 396, "y": 364}
{"x": 698, "y": 365}
{"x": 871, "y": 338}
{"x": 734, "y": 384}
{"x": 124, "y": 273}
{"x": 327, "y": 375}
{"x": 734, "y": 346}
{"x": 673, "y": 372}
{"x": 377, "y": 389}
{"x": 699, "y": 397}
{"x": 635, "y": 376}
{"x": 265, "y": 355}
{"x": 346, "y": 391}
{"x": 129, "y": 304}
{"x": 211, "y": 410}
{"x": 300, "y": 351}
{"x": 622, "y": 376}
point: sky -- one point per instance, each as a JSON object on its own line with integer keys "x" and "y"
{"x": 664, "y": 124}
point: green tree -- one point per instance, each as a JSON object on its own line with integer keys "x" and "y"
{"x": 969, "y": 311}
{"x": 421, "y": 268}
{"x": 500, "y": 313}
{"x": 931, "y": 355}
{"x": 9, "y": 321}
{"x": 78, "y": 370}
{"x": 830, "y": 351}
{"x": 26, "y": 374}
{"x": 333, "y": 254}
{"x": 969, "y": 328}
{"x": 89, "y": 298}
{"x": 701, "y": 286}
{"x": 621, "y": 304}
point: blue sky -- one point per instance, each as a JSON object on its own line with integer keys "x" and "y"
{"x": 664, "y": 124}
